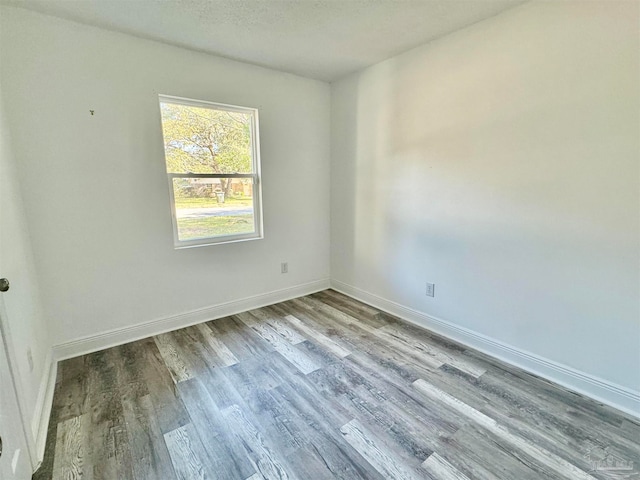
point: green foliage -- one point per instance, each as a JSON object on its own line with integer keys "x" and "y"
{"x": 183, "y": 188}
{"x": 203, "y": 140}
{"x": 231, "y": 201}
{"x": 205, "y": 227}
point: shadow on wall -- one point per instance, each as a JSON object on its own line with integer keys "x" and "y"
{"x": 504, "y": 173}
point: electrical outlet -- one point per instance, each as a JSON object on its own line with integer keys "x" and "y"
{"x": 284, "y": 267}
{"x": 30, "y": 359}
{"x": 431, "y": 289}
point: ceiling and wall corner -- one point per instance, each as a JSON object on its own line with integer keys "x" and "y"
{"x": 321, "y": 39}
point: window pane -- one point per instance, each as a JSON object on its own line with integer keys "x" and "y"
{"x": 206, "y": 140}
{"x": 211, "y": 207}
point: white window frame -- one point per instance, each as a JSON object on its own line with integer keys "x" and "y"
{"x": 256, "y": 176}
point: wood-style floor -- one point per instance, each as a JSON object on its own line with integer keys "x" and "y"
{"x": 322, "y": 387}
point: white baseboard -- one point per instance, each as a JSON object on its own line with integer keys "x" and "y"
{"x": 94, "y": 343}
{"x": 601, "y": 390}
{"x": 608, "y": 393}
{"x": 119, "y": 336}
{"x": 44, "y": 403}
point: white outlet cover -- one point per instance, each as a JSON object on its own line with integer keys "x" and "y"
{"x": 431, "y": 289}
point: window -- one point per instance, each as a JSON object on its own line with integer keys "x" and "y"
{"x": 213, "y": 166}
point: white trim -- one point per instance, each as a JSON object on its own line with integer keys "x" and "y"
{"x": 16, "y": 386}
{"x": 601, "y": 390}
{"x": 111, "y": 338}
{"x": 119, "y": 336}
{"x": 192, "y": 102}
{"x": 44, "y": 403}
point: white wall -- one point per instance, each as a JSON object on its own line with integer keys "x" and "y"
{"x": 20, "y": 307}
{"x": 501, "y": 164}
{"x": 95, "y": 188}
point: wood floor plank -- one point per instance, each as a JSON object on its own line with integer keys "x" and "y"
{"x": 107, "y": 448}
{"x": 376, "y": 453}
{"x": 254, "y": 382}
{"x": 319, "y": 460}
{"x": 71, "y": 368}
{"x": 72, "y": 400}
{"x": 413, "y": 349}
{"x": 352, "y": 335}
{"x": 319, "y": 387}
{"x": 168, "y": 409}
{"x": 360, "y": 336}
{"x": 344, "y": 300}
{"x": 345, "y": 389}
{"x": 194, "y": 351}
{"x": 542, "y": 419}
{"x": 253, "y": 375}
{"x": 427, "y": 422}
{"x": 357, "y": 310}
{"x": 226, "y": 356}
{"x": 170, "y": 354}
{"x": 440, "y": 469}
{"x": 563, "y": 443}
{"x": 432, "y": 424}
{"x": 319, "y": 337}
{"x": 223, "y": 450}
{"x": 69, "y": 462}
{"x": 555, "y": 462}
{"x": 149, "y": 454}
{"x": 481, "y": 454}
{"x": 288, "y": 351}
{"x": 242, "y": 341}
{"x": 118, "y": 463}
{"x": 265, "y": 460}
{"x": 554, "y": 411}
{"x": 185, "y": 459}
{"x": 269, "y": 317}
{"x": 126, "y": 360}
{"x": 276, "y": 423}
{"x": 432, "y": 350}
{"x": 334, "y": 313}
{"x": 426, "y": 416}
{"x": 320, "y": 422}
{"x": 318, "y": 354}
{"x": 537, "y": 423}
{"x": 220, "y": 389}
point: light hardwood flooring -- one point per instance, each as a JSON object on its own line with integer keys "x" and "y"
{"x": 322, "y": 387}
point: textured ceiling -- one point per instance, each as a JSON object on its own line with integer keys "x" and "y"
{"x": 323, "y": 39}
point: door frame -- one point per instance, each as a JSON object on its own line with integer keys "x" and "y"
{"x": 5, "y": 337}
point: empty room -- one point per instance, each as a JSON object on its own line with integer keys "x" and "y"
{"x": 319, "y": 239}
